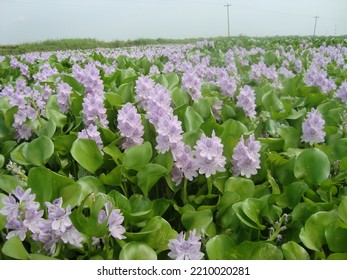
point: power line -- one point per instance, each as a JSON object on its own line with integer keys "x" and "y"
{"x": 227, "y": 6}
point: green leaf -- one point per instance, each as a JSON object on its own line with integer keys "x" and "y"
{"x": 244, "y": 187}
{"x": 48, "y": 129}
{"x": 293, "y": 251}
{"x": 39, "y": 151}
{"x": 219, "y": 246}
{"x": 149, "y": 175}
{"x": 138, "y": 157}
{"x": 126, "y": 92}
{"x": 290, "y": 136}
{"x": 337, "y": 256}
{"x": 313, "y": 166}
{"x": 14, "y": 248}
{"x": 17, "y": 154}
{"x": 271, "y": 102}
{"x": 137, "y": 251}
{"x": 8, "y": 183}
{"x": 336, "y": 237}
{"x": 2, "y": 160}
{"x": 255, "y": 251}
{"x": 87, "y": 154}
{"x": 179, "y": 97}
{"x": 342, "y": 210}
{"x": 294, "y": 192}
{"x": 3, "y": 220}
{"x": 248, "y": 211}
{"x": 192, "y": 120}
{"x": 158, "y": 232}
{"x": 313, "y": 234}
{"x": 46, "y": 184}
{"x": 198, "y": 220}
{"x": 85, "y": 217}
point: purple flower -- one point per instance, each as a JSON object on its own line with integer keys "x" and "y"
{"x": 209, "y": 155}
{"x": 342, "y": 92}
{"x": 226, "y": 83}
{"x": 182, "y": 249}
{"x": 185, "y": 164}
{"x": 143, "y": 89}
{"x": 246, "y": 101}
{"x": 114, "y": 219}
{"x": 169, "y": 133}
{"x": 312, "y": 128}
{"x": 21, "y": 213}
{"x": 319, "y": 77}
{"x": 63, "y": 95}
{"x": 191, "y": 83}
{"x": 130, "y": 126}
{"x": 246, "y": 157}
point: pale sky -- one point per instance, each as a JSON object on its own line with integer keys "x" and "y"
{"x": 37, "y": 20}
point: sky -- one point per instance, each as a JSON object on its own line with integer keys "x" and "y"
{"x": 37, "y": 20}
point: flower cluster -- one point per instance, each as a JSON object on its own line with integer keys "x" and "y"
{"x": 246, "y": 101}
{"x": 227, "y": 84}
{"x": 209, "y": 155}
{"x": 93, "y": 102}
{"x": 63, "y": 94}
{"x": 23, "y": 216}
{"x": 312, "y": 128}
{"x": 182, "y": 249}
{"x": 23, "y": 68}
{"x": 319, "y": 77}
{"x": 191, "y": 82}
{"x": 246, "y": 157}
{"x": 114, "y": 221}
{"x": 130, "y": 126}
{"x": 342, "y": 92}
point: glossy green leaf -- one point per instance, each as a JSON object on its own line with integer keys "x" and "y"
{"x": 336, "y": 237}
{"x": 137, "y": 251}
{"x": 149, "y": 175}
{"x": 294, "y": 192}
{"x": 293, "y": 251}
{"x": 192, "y": 120}
{"x": 198, "y": 220}
{"x": 138, "y": 157}
{"x": 87, "y": 154}
{"x": 46, "y": 184}
{"x": 8, "y": 183}
{"x": 39, "y": 151}
{"x": 248, "y": 211}
{"x": 244, "y": 187}
{"x": 157, "y": 234}
{"x": 14, "y": 248}
{"x": 255, "y": 251}
{"x": 219, "y": 246}
{"x": 313, "y": 166}
{"x": 342, "y": 209}
{"x": 313, "y": 234}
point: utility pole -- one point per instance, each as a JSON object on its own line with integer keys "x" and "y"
{"x": 315, "y": 24}
{"x": 228, "y": 5}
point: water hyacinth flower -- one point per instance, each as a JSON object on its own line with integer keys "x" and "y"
{"x": 209, "y": 155}
{"x": 246, "y": 101}
{"x": 185, "y": 163}
{"x": 182, "y": 249}
{"x": 246, "y": 157}
{"x": 114, "y": 219}
{"x": 169, "y": 133}
{"x": 312, "y": 128}
{"x": 130, "y": 126}
{"x": 342, "y": 92}
{"x": 63, "y": 94}
{"x": 191, "y": 82}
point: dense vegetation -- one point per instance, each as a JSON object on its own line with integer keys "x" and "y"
{"x": 222, "y": 149}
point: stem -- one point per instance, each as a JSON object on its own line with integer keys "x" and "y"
{"x": 209, "y": 185}
{"x": 276, "y": 232}
{"x": 184, "y": 192}
{"x": 90, "y": 244}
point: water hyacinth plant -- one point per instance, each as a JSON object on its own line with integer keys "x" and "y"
{"x": 225, "y": 149}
